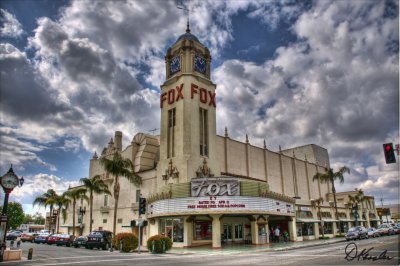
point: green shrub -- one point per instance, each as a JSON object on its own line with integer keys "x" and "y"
{"x": 324, "y": 237}
{"x": 168, "y": 242}
{"x": 158, "y": 243}
{"x": 130, "y": 242}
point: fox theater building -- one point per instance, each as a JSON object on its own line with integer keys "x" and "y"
{"x": 206, "y": 189}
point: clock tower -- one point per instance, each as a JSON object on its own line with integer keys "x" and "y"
{"x": 188, "y": 114}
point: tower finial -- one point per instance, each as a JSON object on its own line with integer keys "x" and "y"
{"x": 187, "y": 10}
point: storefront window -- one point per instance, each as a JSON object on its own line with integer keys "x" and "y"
{"x": 178, "y": 230}
{"x": 307, "y": 229}
{"x": 343, "y": 227}
{"x": 298, "y": 227}
{"x": 172, "y": 228}
{"x": 328, "y": 228}
{"x": 202, "y": 230}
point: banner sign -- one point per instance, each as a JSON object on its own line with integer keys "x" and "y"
{"x": 213, "y": 204}
{"x": 204, "y": 187}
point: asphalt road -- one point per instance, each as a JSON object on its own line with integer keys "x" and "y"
{"x": 332, "y": 254}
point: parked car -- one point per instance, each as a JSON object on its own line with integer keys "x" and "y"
{"x": 13, "y": 235}
{"x": 30, "y": 237}
{"x": 99, "y": 239}
{"x": 42, "y": 238}
{"x": 372, "y": 232}
{"x": 396, "y": 229}
{"x": 53, "y": 239}
{"x": 385, "y": 229}
{"x": 65, "y": 239}
{"x": 80, "y": 241}
{"x": 358, "y": 232}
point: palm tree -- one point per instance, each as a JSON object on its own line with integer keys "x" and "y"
{"x": 47, "y": 199}
{"x": 117, "y": 167}
{"x": 62, "y": 203}
{"x": 354, "y": 200}
{"x": 317, "y": 203}
{"x": 331, "y": 177}
{"x": 74, "y": 195}
{"x": 94, "y": 185}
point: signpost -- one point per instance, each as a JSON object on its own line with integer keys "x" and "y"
{"x": 140, "y": 221}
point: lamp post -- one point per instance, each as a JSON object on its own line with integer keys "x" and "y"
{"x": 82, "y": 212}
{"x": 8, "y": 181}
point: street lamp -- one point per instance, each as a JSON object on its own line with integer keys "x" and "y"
{"x": 8, "y": 181}
{"x": 82, "y": 212}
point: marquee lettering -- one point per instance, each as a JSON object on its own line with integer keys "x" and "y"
{"x": 173, "y": 95}
{"x": 207, "y": 187}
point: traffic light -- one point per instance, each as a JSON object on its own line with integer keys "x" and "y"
{"x": 389, "y": 153}
{"x": 145, "y": 223}
{"x": 142, "y": 206}
{"x": 133, "y": 223}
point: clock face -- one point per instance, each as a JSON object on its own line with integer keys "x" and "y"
{"x": 199, "y": 64}
{"x": 174, "y": 65}
{"x": 9, "y": 181}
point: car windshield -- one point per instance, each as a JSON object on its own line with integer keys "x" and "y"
{"x": 352, "y": 229}
{"x": 98, "y": 234}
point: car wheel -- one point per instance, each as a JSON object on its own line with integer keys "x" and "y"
{"x": 106, "y": 247}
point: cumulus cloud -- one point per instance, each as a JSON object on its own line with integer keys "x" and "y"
{"x": 332, "y": 87}
{"x": 36, "y": 185}
{"x": 10, "y": 26}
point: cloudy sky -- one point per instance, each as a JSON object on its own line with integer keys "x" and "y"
{"x": 289, "y": 72}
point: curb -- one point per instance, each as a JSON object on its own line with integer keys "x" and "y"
{"x": 305, "y": 246}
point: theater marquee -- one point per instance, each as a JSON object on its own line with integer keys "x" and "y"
{"x": 221, "y": 204}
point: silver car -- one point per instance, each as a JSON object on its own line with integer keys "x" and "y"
{"x": 372, "y": 232}
{"x": 358, "y": 232}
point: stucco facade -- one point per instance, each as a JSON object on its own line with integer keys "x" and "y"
{"x": 202, "y": 188}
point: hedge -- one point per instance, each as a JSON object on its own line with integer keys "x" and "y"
{"x": 130, "y": 242}
{"x": 158, "y": 243}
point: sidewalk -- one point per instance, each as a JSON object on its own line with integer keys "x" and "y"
{"x": 241, "y": 248}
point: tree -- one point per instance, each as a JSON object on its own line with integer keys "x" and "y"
{"x": 354, "y": 200}
{"x": 97, "y": 186}
{"x": 15, "y": 215}
{"x": 47, "y": 199}
{"x": 62, "y": 203}
{"x": 73, "y": 195}
{"x": 117, "y": 167}
{"x": 331, "y": 177}
{"x": 36, "y": 218}
{"x": 317, "y": 203}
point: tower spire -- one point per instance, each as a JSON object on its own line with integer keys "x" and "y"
{"x": 184, "y": 8}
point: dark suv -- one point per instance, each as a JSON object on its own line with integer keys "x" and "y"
{"x": 99, "y": 239}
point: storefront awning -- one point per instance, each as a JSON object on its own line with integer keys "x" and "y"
{"x": 305, "y": 220}
{"x": 70, "y": 225}
{"x": 345, "y": 220}
{"x": 329, "y": 220}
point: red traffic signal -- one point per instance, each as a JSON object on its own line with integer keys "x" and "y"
{"x": 389, "y": 153}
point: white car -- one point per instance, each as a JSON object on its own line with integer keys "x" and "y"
{"x": 385, "y": 229}
{"x": 372, "y": 232}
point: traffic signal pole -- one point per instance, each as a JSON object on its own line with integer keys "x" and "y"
{"x": 139, "y": 224}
